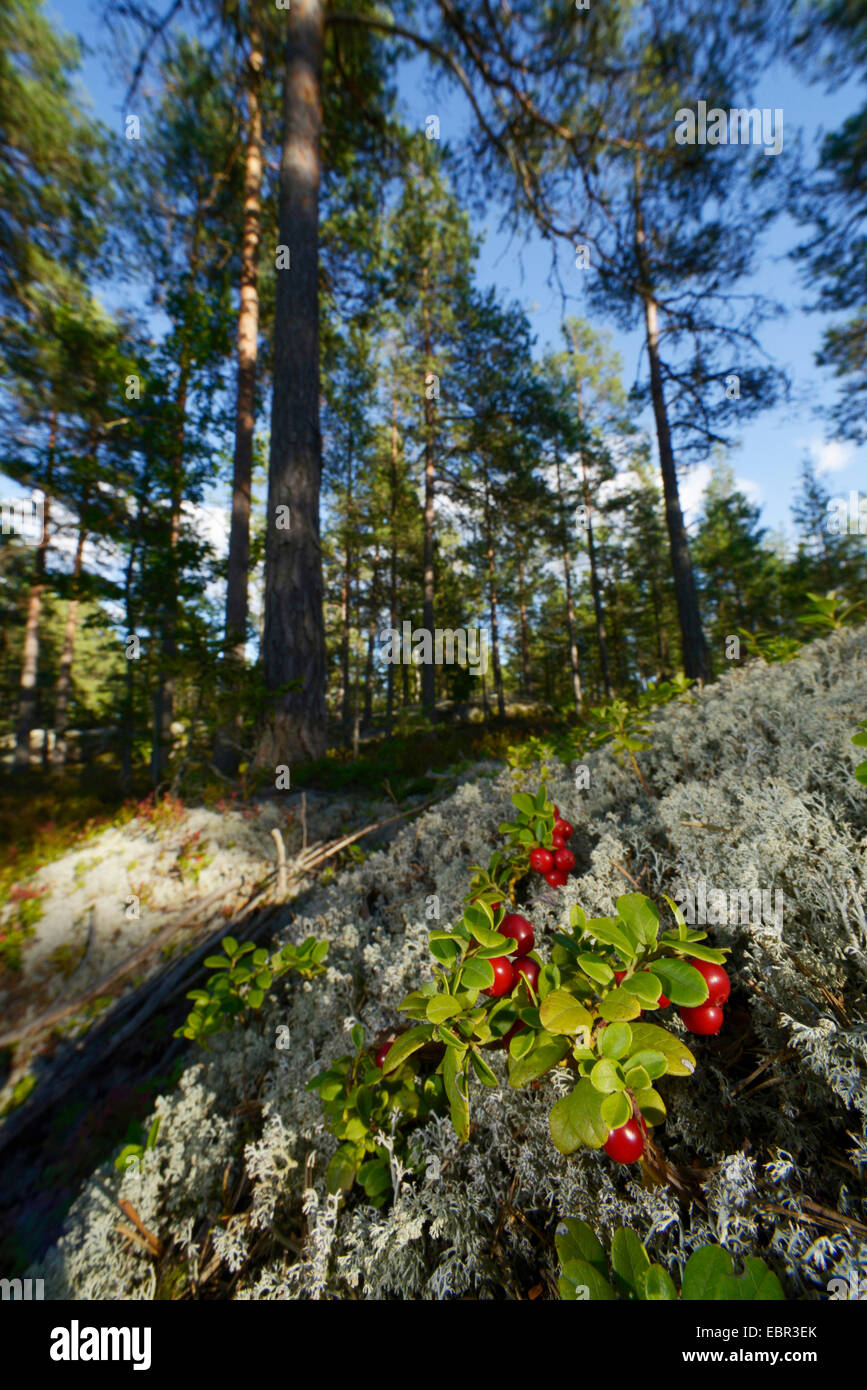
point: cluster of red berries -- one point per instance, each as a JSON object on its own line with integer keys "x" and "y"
{"x": 555, "y": 863}
{"x": 626, "y": 1144}
{"x": 707, "y": 1018}
{"x": 510, "y": 970}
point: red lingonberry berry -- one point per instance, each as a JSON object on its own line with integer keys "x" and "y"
{"x": 555, "y": 878}
{"x": 504, "y": 973}
{"x": 706, "y": 1019}
{"x": 719, "y": 986}
{"x": 625, "y": 1144}
{"x": 557, "y": 841}
{"x": 564, "y": 859}
{"x": 529, "y": 970}
{"x": 382, "y": 1053}
{"x": 541, "y": 859}
{"x": 516, "y": 926}
{"x": 564, "y": 828}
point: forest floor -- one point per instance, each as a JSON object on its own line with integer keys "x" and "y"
{"x": 746, "y": 785}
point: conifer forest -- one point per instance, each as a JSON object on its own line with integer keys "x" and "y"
{"x": 433, "y": 656}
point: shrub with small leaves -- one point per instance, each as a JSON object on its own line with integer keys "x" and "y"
{"x": 242, "y": 976}
{"x": 708, "y": 1275}
{"x": 363, "y": 1103}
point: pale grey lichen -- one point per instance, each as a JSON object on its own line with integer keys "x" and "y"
{"x": 752, "y": 789}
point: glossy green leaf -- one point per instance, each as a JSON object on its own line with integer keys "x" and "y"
{"x": 455, "y": 1082}
{"x": 405, "y": 1046}
{"x": 658, "y": 1286}
{"x": 629, "y": 1261}
{"x": 616, "y": 1109}
{"x": 637, "y": 1079}
{"x": 523, "y": 802}
{"x": 641, "y": 915}
{"x": 607, "y": 1076}
{"x": 683, "y": 984}
{"x": 576, "y": 1119}
{"x": 679, "y": 1060}
{"x": 580, "y": 1282}
{"x": 521, "y": 1043}
{"x": 651, "y": 1105}
{"x": 610, "y": 931}
{"x": 756, "y": 1284}
{"x": 575, "y": 1240}
{"x": 619, "y": 1006}
{"x": 595, "y": 968}
{"x": 688, "y": 947}
{"x": 476, "y": 973}
{"x": 230, "y": 945}
{"x": 653, "y": 1063}
{"x": 549, "y": 980}
{"x": 482, "y": 1070}
{"x": 703, "y": 1271}
{"x": 341, "y": 1169}
{"x": 560, "y": 1012}
{"x": 547, "y": 1051}
{"x": 615, "y": 1040}
{"x": 441, "y": 1007}
{"x": 644, "y": 985}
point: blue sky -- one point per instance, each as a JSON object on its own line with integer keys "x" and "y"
{"x": 768, "y": 459}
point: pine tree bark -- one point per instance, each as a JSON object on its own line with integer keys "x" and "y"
{"x": 522, "y": 609}
{"x": 574, "y": 668}
{"x": 392, "y": 567}
{"x": 492, "y": 590}
{"x": 696, "y": 660}
{"x": 30, "y": 659}
{"x": 294, "y": 634}
{"x": 64, "y": 675}
{"x": 237, "y": 581}
{"x": 428, "y": 673}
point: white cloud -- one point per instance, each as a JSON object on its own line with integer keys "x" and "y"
{"x": 828, "y": 455}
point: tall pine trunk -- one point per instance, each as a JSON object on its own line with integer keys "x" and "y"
{"x": 570, "y": 607}
{"x": 64, "y": 675}
{"x": 492, "y": 589}
{"x": 428, "y": 675}
{"x": 294, "y": 634}
{"x": 522, "y": 609}
{"x": 237, "y": 596}
{"x": 696, "y": 661}
{"x": 27, "y": 696}
{"x": 392, "y": 565}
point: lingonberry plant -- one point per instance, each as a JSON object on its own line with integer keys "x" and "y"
{"x": 580, "y": 1010}
{"x": 242, "y": 976}
{"x": 362, "y": 1106}
{"x": 708, "y": 1275}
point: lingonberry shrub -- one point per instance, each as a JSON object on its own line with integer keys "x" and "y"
{"x": 708, "y": 1275}
{"x": 603, "y": 974}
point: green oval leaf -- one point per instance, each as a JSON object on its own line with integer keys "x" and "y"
{"x": 683, "y": 984}
{"x": 619, "y": 1006}
{"x": 615, "y": 1040}
{"x": 616, "y": 1109}
{"x": 637, "y": 1079}
{"x": 629, "y": 1261}
{"x": 575, "y": 1240}
{"x": 560, "y": 1012}
{"x": 595, "y": 967}
{"x": 477, "y": 973}
{"x": 703, "y": 1271}
{"x": 678, "y": 1058}
{"x": 651, "y": 1105}
{"x": 653, "y": 1063}
{"x": 644, "y": 985}
{"x": 405, "y": 1046}
{"x": 658, "y": 1286}
{"x": 482, "y": 1070}
{"x": 580, "y": 1282}
{"x": 640, "y": 914}
{"x": 547, "y": 1051}
{"x": 606, "y": 1076}
{"x": 441, "y": 1007}
{"x": 576, "y": 1119}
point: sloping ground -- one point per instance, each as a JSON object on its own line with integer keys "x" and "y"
{"x": 751, "y": 788}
